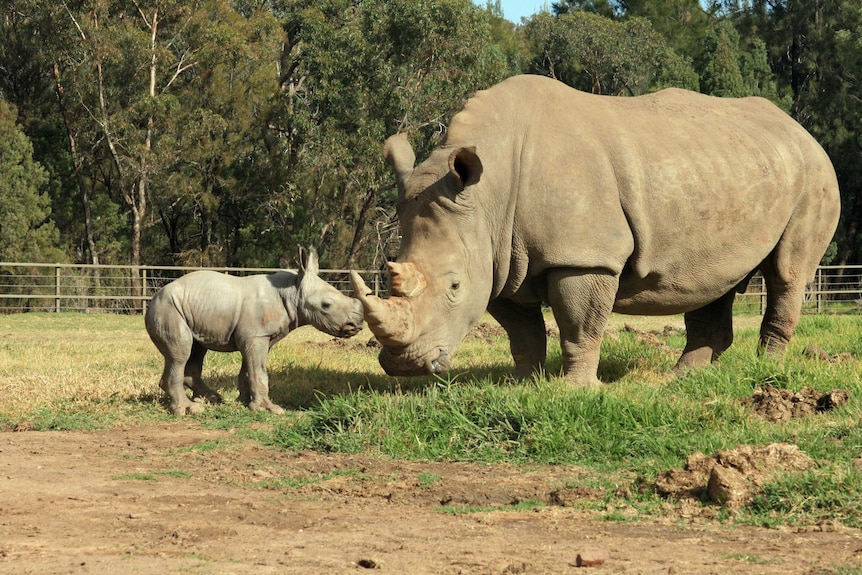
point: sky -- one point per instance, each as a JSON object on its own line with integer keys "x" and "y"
{"x": 513, "y": 10}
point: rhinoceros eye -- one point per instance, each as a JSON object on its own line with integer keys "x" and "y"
{"x": 455, "y": 285}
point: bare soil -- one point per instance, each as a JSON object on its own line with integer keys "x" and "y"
{"x": 155, "y": 500}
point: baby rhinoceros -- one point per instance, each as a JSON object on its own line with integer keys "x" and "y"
{"x": 207, "y": 310}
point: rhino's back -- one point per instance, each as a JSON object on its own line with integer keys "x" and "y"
{"x": 664, "y": 189}
{"x": 216, "y": 305}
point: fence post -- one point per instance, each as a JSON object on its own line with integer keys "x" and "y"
{"x": 819, "y": 296}
{"x": 57, "y": 289}
{"x": 144, "y": 291}
{"x": 762, "y": 297}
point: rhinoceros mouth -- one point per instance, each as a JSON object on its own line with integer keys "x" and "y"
{"x": 349, "y": 330}
{"x": 344, "y": 330}
{"x": 403, "y": 364}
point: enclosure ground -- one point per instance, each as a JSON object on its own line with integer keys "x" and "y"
{"x": 176, "y": 497}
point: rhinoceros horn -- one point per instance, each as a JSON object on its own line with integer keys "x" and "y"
{"x": 390, "y": 320}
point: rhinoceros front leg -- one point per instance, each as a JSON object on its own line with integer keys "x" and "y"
{"x": 582, "y": 301}
{"x": 528, "y": 340}
{"x": 253, "y": 371}
{"x": 709, "y": 331}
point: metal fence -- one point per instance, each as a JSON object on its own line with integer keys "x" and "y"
{"x": 834, "y": 289}
{"x": 115, "y": 289}
{"x": 126, "y": 289}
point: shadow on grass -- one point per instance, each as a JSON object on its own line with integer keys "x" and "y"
{"x": 302, "y": 388}
{"x": 298, "y": 388}
{"x": 611, "y": 368}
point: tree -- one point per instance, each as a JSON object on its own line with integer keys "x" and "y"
{"x": 815, "y": 50}
{"x": 353, "y": 74}
{"x": 213, "y": 202}
{"x": 507, "y": 37}
{"x": 26, "y": 232}
{"x": 606, "y": 8}
{"x": 682, "y": 23}
{"x": 604, "y": 56}
{"x": 730, "y": 68}
{"x": 109, "y": 62}
{"x": 721, "y": 75}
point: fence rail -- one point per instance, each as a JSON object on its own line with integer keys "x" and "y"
{"x": 116, "y": 288}
{"x": 127, "y": 289}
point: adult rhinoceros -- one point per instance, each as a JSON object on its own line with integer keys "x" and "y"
{"x": 654, "y": 205}
{"x": 208, "y": 310}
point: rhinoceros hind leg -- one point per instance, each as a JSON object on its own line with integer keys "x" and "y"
{"x": 709, "y": 332}
{"x": 244, "y": 386}
{"x": 528, "y": 340}
{"x": 172, "y": 384}
{"x": 783, "y": 308}
{"x": 176, "y": 350}
{"x": 254, "y": 379}
{"x": 193, "y": 379}
{"x": 582, "y": 301}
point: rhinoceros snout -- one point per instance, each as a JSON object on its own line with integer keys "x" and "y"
{"x": 439, "y": 365}
{"x": 350, "y": 329}
{"x": 400, "y": 364}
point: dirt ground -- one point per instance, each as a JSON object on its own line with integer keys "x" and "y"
{"x": 155, "y": 500}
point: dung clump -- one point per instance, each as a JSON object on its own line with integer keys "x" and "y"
{"x": 777, "y": 404}
{"x": 731, "y": 477}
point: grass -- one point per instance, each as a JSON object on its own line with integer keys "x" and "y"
{"x": 78, "y": 371}
{"x": 150, "y": 476}
{"x": 526, "y": 505}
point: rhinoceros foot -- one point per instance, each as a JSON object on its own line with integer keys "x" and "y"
{"x": 207, "y": 394}
{"x": 192, "y": 407}
{"x": 265, "y": 405}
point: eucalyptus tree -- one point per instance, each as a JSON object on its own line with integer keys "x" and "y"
{"x": 114, "y": 67}
{"x": 212, "y": 203}
{"x": 353, "y": 73}
{"x": 161, "y": 104}
{"x": 605, "y": 56}
{"x": 816, "y": 53}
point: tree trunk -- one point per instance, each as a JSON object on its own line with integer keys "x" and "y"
{"x": 359, "y": 231}
{"x": 138, "y": 197}
{"x": 78, "y": 169}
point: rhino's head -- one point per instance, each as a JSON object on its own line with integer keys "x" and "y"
{"x": 441, "y": 281}
{"x": 322, "y": 305}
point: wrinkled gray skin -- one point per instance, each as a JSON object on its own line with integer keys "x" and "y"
{"x": 207, "y": 310}
{"x": 651, "y": 205}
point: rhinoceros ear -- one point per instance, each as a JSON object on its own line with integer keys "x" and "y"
{"x": 308, "y": 261}
{"x": 399, "y": 154}
{"x": 465, "y": 166}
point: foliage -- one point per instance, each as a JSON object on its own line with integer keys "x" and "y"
{"x": 359, "y": 74}
{"x": 816, "y": 57}
{"x": 599, "y": 55}
{"x": 229, "y": 131}
{"x": 26, "y": 231}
